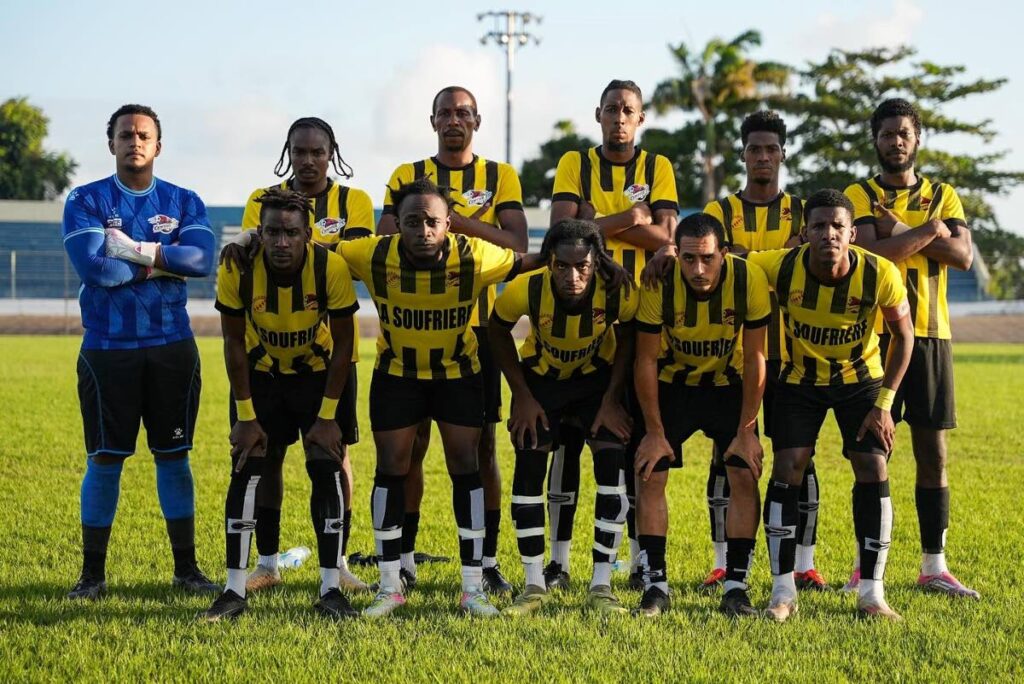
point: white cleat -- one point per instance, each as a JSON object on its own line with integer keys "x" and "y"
{"x": 475, "y": 602}
{"x": 262, "y": 578}
{"x": 384, "y": 603}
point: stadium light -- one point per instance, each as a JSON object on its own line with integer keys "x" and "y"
{"x": 508, "y": 33}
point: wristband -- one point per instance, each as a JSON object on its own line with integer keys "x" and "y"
{"x": 245, "y": 409}
{"x": 328, "y": 408}
{"x": 885, "y": 399}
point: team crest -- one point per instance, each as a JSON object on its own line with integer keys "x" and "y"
{"x": 926, "y": 202}
{"x": 680, "y": 320}
{"x": 310, "y": 302}
{"x": 737, "y": 222}
{"x": 452, "y": 279}
{"x": 729, "y": 316}
{"x": 598, "y": 316}
{"x": 545, "y": 321}
{"x": 637, "y": 192}
{"x": 392, "y": 278}
{"x": 330, "y": 226}
{"x": 787, "y": 214}
{"x": 259, "y": 304}
{"x": 853, "y": 305}
{"x": 163, "y": 224}
{"x": 477, "y": 198}
{"x": 796, "y": 297}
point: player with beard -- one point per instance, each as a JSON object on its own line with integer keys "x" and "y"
{"x": 488, "y": 204}
{"x": 919, "y": 223}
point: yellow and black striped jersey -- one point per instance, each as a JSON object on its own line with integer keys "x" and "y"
{"x": 757, "y": 226}
{"x": 472, "y": 186}
{"x": 286, "y": 327}
{"x": 830, "y": 335}
{"x": 425, "y": 312}
{"x": 565, "y": 342}
{"x": 702, "y": 337}
{"x": 925, "y": 278}
{"x": 613, "y": 187}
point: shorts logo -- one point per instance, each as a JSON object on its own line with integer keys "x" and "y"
{"x": 311, "y": 303}
{"x": 330, "y": 226}
{"x": 178, "y": 433}
{"x": 477, "y": 198}
{"x": 163, "y": 224}
{"x": 598, "y": 316}
{"x": 238, "y": 525}
{"x": 259, "y": 304}
{"x": 729, "y": 316}
{"x": 637, "y": 192}
{"x": 452, "y": 279}
{"x": 796, "y": 297}
{"x": 853, "y": 305}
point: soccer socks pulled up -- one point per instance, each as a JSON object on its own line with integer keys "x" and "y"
{"x": 933, "y": 518}
{"x": 326, "y": 507}
{"x": 563, "y": 489}
{"x": 176, "y": 492}
{"x": 410, "y": 529}
{"x": 610, "y": 508}
{"x": 872, "y": 523}
{"x": 101, "y": 488}
{"x": 468, "y": 502}
{"x": 738, "y": 559}
{"x": 807, "y": 525}
{"x": 652, "y": 548}
{"x": 268, "y": 532}
{"x": 240, "y": 521}
{"x": 492, "y": 527}
{"x": 718, "y": 507}
{"x": 346, "y": 531}
{"x": 387, "y": 503}
{"x": 528, "y": 506}
{"x": 780, "y": 520}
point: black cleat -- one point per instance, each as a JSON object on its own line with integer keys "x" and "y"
{"x": 555, "y": 577}
{"x": 227, "y": 606}
{"x": 636, "y": 580}
{"x": 653, "y": 603}
{"x": 335, "y": 605}
{"x": 736, "y": 604}
{"x": 494, "y": 582}
{"x": 195, "y": 582}
{"x": 408, "y": 580}
{"x": 88, "y": 588}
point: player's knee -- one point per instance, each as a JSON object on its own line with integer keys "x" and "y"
{"x": 788, "y": 465}
{"x": 654, "y": 486}
{"x": 462, "y": 460}
{"x": 869, "y": 467}
{"x": 318, "y": 453}
{"x": 741, "y": 479}
{"x": 107, "y": 459}
{"x": 174, "y": 456}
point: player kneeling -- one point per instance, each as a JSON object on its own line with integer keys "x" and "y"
{"x": 287, "y": 369}
{"x": 712, "y": 309}
{"x": 572, "y": 370}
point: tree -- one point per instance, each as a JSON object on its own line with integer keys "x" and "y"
{"x": 835, "y": 148}
{"x": 27, "y": 171}
{"x": 722, "y": 84}
{"x": 538, "y": 175}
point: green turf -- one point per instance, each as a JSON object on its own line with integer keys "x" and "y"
{"x": 145, "y": 630}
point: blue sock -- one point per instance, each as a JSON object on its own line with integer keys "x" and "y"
{"x": 174, "y": 487}
{"x": 101, "y": 487}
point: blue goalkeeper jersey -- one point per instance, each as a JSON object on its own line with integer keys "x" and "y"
{"x": 120, "y": 308}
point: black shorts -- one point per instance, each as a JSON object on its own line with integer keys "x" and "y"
{"x": 574, "y": 401}
{"x": 773, "y": 368}
{"x": 159, "y": 386}
{"x": 287, "y": 405}
{"x": 491, "y": 375}
{"x": 397, "y": 402}
{"x": 925, "y": 397}
{"x": 799, "y": 411}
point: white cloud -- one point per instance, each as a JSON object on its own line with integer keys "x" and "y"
{"x": 869, "y": 29}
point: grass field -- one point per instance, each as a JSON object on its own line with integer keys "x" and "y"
{"x": 145, "y": 630}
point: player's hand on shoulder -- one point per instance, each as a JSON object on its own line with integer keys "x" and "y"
{"x": 248, "y": 440}
{"x": 239, "y": 253}
{"x": 615, "y": 276}
{"x": 326, "y": 435}
{"x": 612, "y": 417}
{"x": 523, "y": 422}
{"x": 747, "y": 446}
{"x": 658, "y": 266}
{"x": 653, "y": 447}
{"x": 880, "y": 424}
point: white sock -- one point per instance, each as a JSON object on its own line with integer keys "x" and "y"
{"x": 661, "y": 585}
{"x": 344, "y": 564}
{"x": 236, "y": 581}
{"x": 390, "y": 581}
{"x": 933, "y": 563}
{"x": 634, "y": 555}
{"x": 269, "y": 562}
{"x": 471, "y": 578}
{"x": 871, "y": 590}
{"x": 408, "y": 562}
{"x": 602, "y": 575}
{"x": 856, "y": 559}
{"x": 490, "y": 561}
{"x": 560, "y": 553}
{"x": 729, "y": 585}
{"x": 784, "y": 586}
{"x": 804, "y": 557}
{"x": 328, "y": 579}
{"x": 534, "y": 574}
{"x": 719, "y": 555}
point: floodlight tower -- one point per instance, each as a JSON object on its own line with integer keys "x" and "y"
{"x": 509, "y": 33}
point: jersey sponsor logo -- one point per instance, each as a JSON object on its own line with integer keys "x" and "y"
{"x": 830, "y": 336}
{"x": 114, "y": 221}
{"x": 729, "y": 316}
{"x": 401, "y": 318}
{"x": 637, "y": 192}
{"x": 477, "y": 198}
{"x": 311, "y": 303}
{"x": 717, "y": 348}
{"x": 598, "y": 316}
{"x": 259, "y": 304}
{"x": 573, "y": 355}
{"x": 330, "y": 226}
{"x": 796, "y": 297}
{"x": 163, "y": 223}
{"x": 288, "y": 338}
{"x": 452, "y": 279}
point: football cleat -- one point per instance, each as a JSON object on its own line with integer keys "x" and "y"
{"x": 781, "y": 608}
{"x": 88, "y": 588}
{"x": 555, "y": 577}
{"x": 653, "y": 603}
{"x": 810, "y": 581}
{"x": 349, "y": 582}
{"x": 946, "y": 583}
{"x": 227, "y": 606}
{"x": 494, "y": 582}
{"x": 876, "y": 610}
{"x": 408, "y": 580}
{"x": 712, "y": 582}
{"x": 334, "y": 605}
{"x": 853, "y": 583}
{"x": 532, "y": 599}
{"x": 384, "y": 603}
{"x": 196, "y": 582}
{"x": 736, "y": 604}
{"x": 636, "y": 580}
{"x": 600, "y": 599}
{"x": 262, "y": 578}
{"x": 475, "y": 602}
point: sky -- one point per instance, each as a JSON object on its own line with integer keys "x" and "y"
{"x": 228, "y": 77}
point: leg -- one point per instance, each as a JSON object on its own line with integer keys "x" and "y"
{"x": 610, "y": 506}
{"x": 460, "y": 451}
{"x": 652, "y": 527}
{"x": 718, "y": 506}
{"x": 931, "y": 496}
{"x": 394, "y": 448}
{"x": 528, "y": 513}
{"x": 780, "y": 520}
{"x": 490, "y": 474}
{"x": 807, "y": 527}
{"x": 269, "y": 497}
{"x": 872, "y": 522}
{"x": 563, "y": 485}
{"x": 413, "y": 499}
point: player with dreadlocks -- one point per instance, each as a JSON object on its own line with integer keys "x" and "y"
{"x": 338, "y": 212}
{"x": 572, "y": 369}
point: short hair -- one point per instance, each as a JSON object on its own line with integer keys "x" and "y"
{"x": 828, "y": 198}
{"x": 128, "y": 109}
{"x": 766, "y": 121}
{"x": 617, "y": 84}
{"x": 895, "y": 106}
{"x": 419, "y": 186}
{"x": 341, "y": 167}
{"x": 284, "y": 200}
{"x": 699, "y": 225}
{"x": 451, "y": 90}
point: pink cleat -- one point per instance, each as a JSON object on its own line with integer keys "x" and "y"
{"x": 853, "y": 583}
{"x": 946, "y": 583}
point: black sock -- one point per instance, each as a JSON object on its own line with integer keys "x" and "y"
{"x": 346, "y": 531}
{"x": 240, "y": 511}
{"x": 387, "y": 503}
{"x": 268, "y": 530}
{"x": 807, "y": 525}
{"x": 182, "y": 534}
{"x": 94, "y": 551}
{"x": 468, "y": 502}
{"x": 872, "y": 522}
{"x": 410, "y": 528}
{"x": 326, "y": 504}
{"x": 492, "y": 523}
{"x": 933, "y": 517}
{"x": 780, "y": 520}
{"x": 527, "y": 504}
{"x": 564, "y": 482}
{"x": 653, "y": 548}
{"x": 717, "y": 491}
{"x": 738, "y": 555}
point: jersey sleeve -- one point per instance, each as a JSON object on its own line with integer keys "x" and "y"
{"x": 759, "y": 306}
{"x": 251, "y": 215}
{"x": 494, "y": 262}
{"x": 567, "y": 179}
{"x": 510, "y": 191}
{"x": 629, "y": 305}
{"x": 400, "y": 176}
{"x": 891, "y": 290}
{"x": 952, "y": 210}
{"x": 85, "y": 243}
{"x": 357, "y": 255}
{"x": 649, "y": 310}
{"x": 229, "y": 301}
{"x": 769, "y": 262}
{"x": 341, "y": 295}
{"x": 862, "y": 211}
{"x": 663, "y": 189}
{"x": 360, "y": 221}
{"x": 513, "y": 302}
